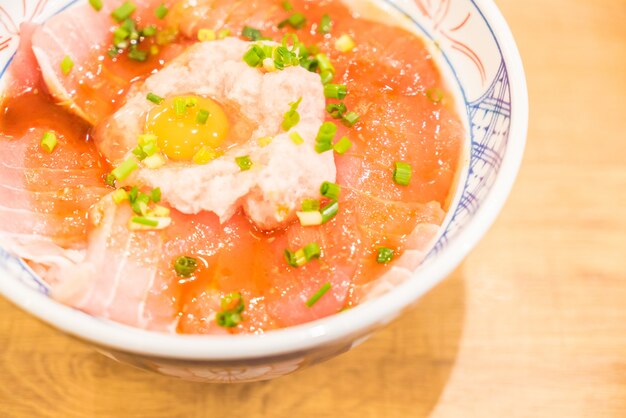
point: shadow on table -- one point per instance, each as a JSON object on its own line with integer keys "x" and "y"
{"x": 401, "y": 371}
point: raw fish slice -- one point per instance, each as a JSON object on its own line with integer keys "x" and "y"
{"x": 23, "y": 73}
{"x": 92, "y": 89}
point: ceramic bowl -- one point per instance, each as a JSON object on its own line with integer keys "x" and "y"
{"x": 477, "y": 51}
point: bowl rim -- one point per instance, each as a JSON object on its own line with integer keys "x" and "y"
{"x": 346, "y": 326}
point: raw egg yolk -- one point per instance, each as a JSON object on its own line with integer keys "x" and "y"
{"x": 185, "y": 124}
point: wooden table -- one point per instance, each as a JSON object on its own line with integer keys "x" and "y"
{"x": 533, "y": 324}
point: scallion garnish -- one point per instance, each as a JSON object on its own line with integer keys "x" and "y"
{"x": 154, "y": 98}
{"x": 296, "y": 138}
{"x": 311, "y": 218}
{"x": 342, "y": 146}
{"x": 385, "y": 255}
{"x": 202, "y": 116}
{"x": 336, "y": 110}
{"x": 327, "y": 71}
{"x": 292, "y": 117}
{"x": 119, "y": 196}
{"x": 350, "y": 119}
{"x": 206, "y": 35}
{"x": 310, "y": 205}
{"x": 49, "y": 142}
{"x": 435, "y": 95}
{"x": 149, "y": 31}
{"x": 109, "y": 179}
{"x": 296, "y": 20}
{"x": 180, "y": 106}
{"x": 251, "y": 33}
{"x": 155, "y": 195}
{"x": 223, "y": 33}
{"x": 287, "y": 6}
{"x": 345, "y": 44}
{"x": 325, "y": 135}
{"x": 204, "y": 156}
{"x": 402, "y": 173}
{"x": 329, "y": 211}
{"x": 124, "y": 11}
{"x": 67, "y": 65}
{"x": 125, "y": 169}
{"x": 244, "y": 163}
{"x": 264, "y": 141}
{"x": 254, "y": 56}
{"x": 185, "y": 266}
{"x": 233, "y": 306}
{"x": 326, "y": 24}
{"x": 335, "y": 91}
{"x": 318, "y": 295}
{"x": 330, "y": 190}
{"x": 302, "y": 256}
{"x": 161, "y": 11}
{"x": 96, "y": 4}
{"x": 142, "y": 220}
{"x": 136, "y": 54}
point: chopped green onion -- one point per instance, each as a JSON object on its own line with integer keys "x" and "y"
{"x": 137, "y": 55}
{"x": 287, "y": 6}
{"x": 269, "y": 65}
{"x": 204, "y": 156}
{"x": 180, "y": 106}
{"x": 310, "y": 205}
{"x": 125, "y": 169}
{"x": 155, "y": 195}
{"x": 318, "y": 295}
{"x": 49, "y": 142}
{"x": 312, "y": 251}
{"x": 292, "y": 117}
{"x": 335, "y": 91}
{"x": 223, "y": 33}
{"x": 296, "y": 21}
{"x": 185, "y": 266}
{"x": 142, "y": 220}
{"x": 324, "y": 63}
{"x": 385, "y": 255}
{"x": 296, "y": 138}
{"x": 254, "y": 56}
{"x": 435, "y": 95}
{"x": 202, "y": 116}
{"x": 326, "y": 24}
{"x": 265, "y": 141}
{"x": 251, "y": 33}
{"x": 149, "y": 30}
{"x": 140, "y": 153}
{"x": 312, "y": 218}
{"x": 154, "y": 161}
{"x": 343, "y": 145}
{"x": 161, "y": 11}
{"x": 295, "y": 259}
{"x": 140, "y": 203}
{"x": 154, "y": 50}
{"x": 350, "y": 119}
{"x": 133, "y": 193}
{"x": 233, "y": 306}
{"x": 329, "y": 211}
{"x": 327, "y": 76}
{"x": 330, "y": 190}
{"x": 206, "y": 35}
{"x": 244, "y": 163}
{"x": 336, "y": 110}
{"x": 119, "y": 196}
{"x": 67, "y": 65}
{"x": 402, "y": 173}
{"x": 124, "y": 11}
{"x": 345, "y": 44}
{"x": 160, "y": 211}
{"x": 325, "y": 137}
{"x": 154, "y": 98}
{"x": 109, "y": 179}
{"x": 96, "y": 4}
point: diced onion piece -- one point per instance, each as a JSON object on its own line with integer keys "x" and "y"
{"x": 345, "y": 44}
{"x": 119, "y": 196}
{"x": 268, "y": 65}
{"x": 310, "y": 218}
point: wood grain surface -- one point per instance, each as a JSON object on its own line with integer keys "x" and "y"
{"x": 533, "y": 324}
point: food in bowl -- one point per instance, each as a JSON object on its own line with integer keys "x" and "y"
{"x": 216, "y": 167}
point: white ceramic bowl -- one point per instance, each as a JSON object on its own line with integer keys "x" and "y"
{"x": 477, "y": 51}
